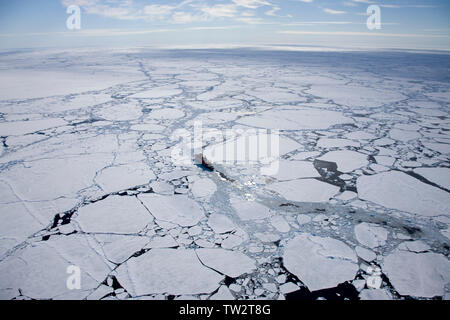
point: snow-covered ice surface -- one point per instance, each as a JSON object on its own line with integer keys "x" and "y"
{"x": 359, "y": 209}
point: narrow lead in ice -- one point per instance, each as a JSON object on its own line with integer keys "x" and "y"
{"x": 230, "y": 263}
{"x": 439, "y": 176}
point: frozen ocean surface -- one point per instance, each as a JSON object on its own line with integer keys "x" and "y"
{"x": 359, "y": 208}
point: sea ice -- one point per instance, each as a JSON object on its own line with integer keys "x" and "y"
{"x": 443, "y": 148}
{"x": 232, "y": 241}
{"x": 347, "y": 195}
{"x": 117, "y": 178}
{"x": 220, "y": 223}
{"x": 397, "y": 190}
{"x": 360, "y": 135}
{"x": 320, "y": 263}
{"x": 370, "y": 235}
{"x": 375, "y": 294}
{"x": 203, "y": 188}
{"x": 417, "y": 274}
{"x": 403, "y": 135}
{"x": 118, "y": 248}
{"x": 222, "y": 294}
{"x": 300, "y": 119}
{"x": 15, "y": 128}
{"x": 161, "y": 187}
{"x": 250, "y": 210}
{"x": 279, "y": 223}
{"x": 87, "y": 177}
{"x": 290, "y": 170}
{"x": 178, "y": 209}
{"x": 230, "y": 263}
{"x": 40, "y": 271}
{"x": 347, "y": 161}
{"x": 304, "y": 190}
{"x": 166, "y": 241}
{"x": 158, "y": 92}
{"x": 327, "y": 143}
{"x": 440, "y": 176}
{"x": 167, "y": 270}
{"x": 18, "y": 223}
{"x": 115, "y": 214}
{"x": 365, "y": 254}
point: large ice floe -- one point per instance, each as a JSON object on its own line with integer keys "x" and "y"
{"x": 417, "y": 274}
{"x": 95, "y": 203}
{"x": 321, "y": 263}
{"x": 167, "y": 270}
{"x": 400, "y": 191}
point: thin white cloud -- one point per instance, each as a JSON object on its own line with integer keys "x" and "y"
{"x": 396, "y": 6}
{"x": 248, "y": 14}
{"x": 81, "y": 3}
{"x": 325, "y": 23}
{"x": 273, "y": 12}
{"x": 123, "y": 10}
{"x": 115, "y": 32}
{"x": 363, "y": 1}
{"x": 213, "y": 28}
{"x": 181, "y": 17}
{"x": 332, "y": 11}
{"x": 220, "y": 10}
{"x": 320, "y": 23}
{"x": 251, "y": 20}
{"x": 387, "y": 5}
{"x": 365, "y": 34}
{"x": 349, "y": 4}
{"x": 196, "y": 10}
{"x": 90, "y": 33}
{"x": 251, "y": 4}
{"x": 156, "y": 11}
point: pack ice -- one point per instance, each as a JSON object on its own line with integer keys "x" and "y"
{"x": 93, "y": 204}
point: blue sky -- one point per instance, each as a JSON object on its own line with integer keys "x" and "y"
{"x": 412, "y": 24}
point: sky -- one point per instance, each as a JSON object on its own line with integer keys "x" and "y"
{"x": 408, "y": 24}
